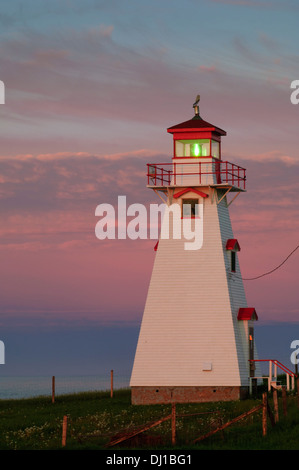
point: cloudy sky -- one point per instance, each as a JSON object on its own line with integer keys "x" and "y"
{"x": 90, "y": 89}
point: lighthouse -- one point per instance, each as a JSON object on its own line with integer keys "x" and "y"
{"x": 196, "y": 340}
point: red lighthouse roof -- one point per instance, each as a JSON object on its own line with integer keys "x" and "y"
{"x": 247, "y": 313}
{"x": 196, "y": 124}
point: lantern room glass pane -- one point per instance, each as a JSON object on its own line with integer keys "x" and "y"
{"x": 192, "y": 148}
{"x": 215, "y": 149}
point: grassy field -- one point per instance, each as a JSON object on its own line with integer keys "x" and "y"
{"x": 94, "y": 418}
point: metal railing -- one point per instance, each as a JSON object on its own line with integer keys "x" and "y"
{"x": 272, "y": 377}
{"x": 204, "y": 172}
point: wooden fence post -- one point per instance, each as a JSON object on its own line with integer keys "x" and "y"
{"x": 53, "y": 389}
{"x": 284, "y": 400}
{"x": 173, "y": 424}
{"x": 275, "y": 403}
{"x": 297, "y": 390}
{"x": 265, "y": 406}
{"x": 64, "y": 430}
{"x": 111, "y": 386}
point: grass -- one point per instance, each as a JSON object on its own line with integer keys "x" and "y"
{"x": 94, "y": 418}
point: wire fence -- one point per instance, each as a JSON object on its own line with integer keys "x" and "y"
{"x": 29, "y": 387}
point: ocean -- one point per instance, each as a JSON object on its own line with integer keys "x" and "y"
{"x": 29, "y": 387}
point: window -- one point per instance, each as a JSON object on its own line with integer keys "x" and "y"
{"x": 232, "y": 246}
{"x": 215, "y": 149}
{"x": 190, "y": 208}
{"x": 233, "y": 261}
{"x": 192, "y": 148}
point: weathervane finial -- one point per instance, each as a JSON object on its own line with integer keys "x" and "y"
{"x": 196, "y": 106}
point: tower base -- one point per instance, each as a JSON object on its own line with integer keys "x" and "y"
{"x": 166, "y": 394}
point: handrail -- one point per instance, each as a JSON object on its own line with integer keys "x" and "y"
{"x": 226, "y": 172}
{"x": 278, "y": 363}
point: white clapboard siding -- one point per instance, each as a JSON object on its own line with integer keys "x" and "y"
{"x": 190, "y": 316}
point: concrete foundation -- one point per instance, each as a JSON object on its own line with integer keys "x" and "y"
{"x": 163, "y": 395}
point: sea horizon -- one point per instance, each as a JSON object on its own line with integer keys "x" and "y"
{"x": 19, "y": 387}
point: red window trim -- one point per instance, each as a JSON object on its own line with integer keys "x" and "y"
{"x": 193, "y": 190}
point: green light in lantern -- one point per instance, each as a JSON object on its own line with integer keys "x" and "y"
{"x": 195, "y": 150}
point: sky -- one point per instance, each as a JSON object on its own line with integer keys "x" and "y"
{"x": 90, "y": 90}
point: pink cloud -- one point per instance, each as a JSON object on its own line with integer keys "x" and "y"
{"x": 272, "y": 156}
{"x": 48, "y": 243}
{"x": 207, "y": 68}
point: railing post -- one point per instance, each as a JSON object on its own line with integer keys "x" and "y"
{"x": 275, "y": 370}
{"x": 288, "y": 381}
{"x": 275, "y": 403}
{"x": 174, "y": 173}
{"x": 265, "y": 405}
{"x": 270, "y": 375}
{"x": 284, "y": 401}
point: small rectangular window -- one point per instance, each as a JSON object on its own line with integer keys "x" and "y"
{"x": 190, "y": 208}
{"x": 233, "y": 261}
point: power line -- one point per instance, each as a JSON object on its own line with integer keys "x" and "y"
{"x": 272, "y": 270}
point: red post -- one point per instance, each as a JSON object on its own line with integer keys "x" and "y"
{"x": 111, "y": 383}
{"x": 173, "y": 424}
{"x": 64, "y": 431}
{"x": 53, "y": 389}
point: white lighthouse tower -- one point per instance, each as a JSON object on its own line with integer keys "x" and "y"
{"x": 196, "y": 338}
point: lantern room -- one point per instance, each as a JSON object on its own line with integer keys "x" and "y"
{"x": 196, "y": 138}
{"x": 196, "y": 148}
{"x": 196, "y": 159}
